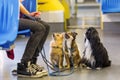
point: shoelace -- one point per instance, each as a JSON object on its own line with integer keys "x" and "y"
{"x": 37, "y": 67}
{"x": 31, "y": 70}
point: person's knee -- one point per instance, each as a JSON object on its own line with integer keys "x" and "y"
{"x": 47, "y": 27}
{"x": 44, "y": 27}
{"x": 41, "y": 28}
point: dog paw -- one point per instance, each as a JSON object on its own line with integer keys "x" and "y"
{"x": 98, "y": 68}
{"x": 67, "y": 67}
{"x": 75, "y": 66}
{"x": 83, "y": 65}
{"x": 60, "y": 67}
{"x": 88, "y": 68}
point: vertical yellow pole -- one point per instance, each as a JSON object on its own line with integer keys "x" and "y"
{"x": 101, "y": 24}
{"x": 66, "y": 12}
{"x": 101, "y": 18}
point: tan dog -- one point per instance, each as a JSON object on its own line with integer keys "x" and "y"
{"x": 71, "y": 50}
{"x": 56, "y": 52}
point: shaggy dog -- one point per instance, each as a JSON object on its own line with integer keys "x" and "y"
{"x": 56, "y": 52}
{"x": 95, "y": 54}
{"x": 70, "y": 49}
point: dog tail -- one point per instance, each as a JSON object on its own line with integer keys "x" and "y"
{"x": 108, "y": 64}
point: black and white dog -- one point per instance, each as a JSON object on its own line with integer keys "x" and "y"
{"x": 95, "y": 54}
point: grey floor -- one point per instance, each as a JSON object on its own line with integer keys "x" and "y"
{"x": 110, "y": 39}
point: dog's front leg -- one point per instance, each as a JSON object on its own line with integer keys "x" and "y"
{"x": 67, "y": 61}
{"x": 75, "y": 62}
{"x": 60, "y": 61}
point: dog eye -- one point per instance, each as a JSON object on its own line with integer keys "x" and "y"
{"x": 89, "y": 31}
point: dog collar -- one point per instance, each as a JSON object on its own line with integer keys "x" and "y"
{"x": 56, "y": 47}
{"x": 72, "y": 49}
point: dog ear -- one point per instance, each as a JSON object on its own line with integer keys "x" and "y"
{"x": 53, "y": 35}
{"x": 95, "y": 39}
{"x": 93, "y": 36}
{"x": 67, "y": 36}
{"x": 74, "y": 34}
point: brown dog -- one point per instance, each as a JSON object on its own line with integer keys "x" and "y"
{"x": 56, "y": 52}
{"x": 71, "y": 51}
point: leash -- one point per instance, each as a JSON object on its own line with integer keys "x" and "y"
{"x": 56, "y": 72}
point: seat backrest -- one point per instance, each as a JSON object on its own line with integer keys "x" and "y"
{"x": 9, "y": 16}
{"x": 30, "y": 5}
{"x": 110, "y": 5}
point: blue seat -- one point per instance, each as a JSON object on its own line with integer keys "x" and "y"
{"x": 9, "y": 16}
{"x": 30, "y": 5}
{"x": 110, "y": 6}
{"x": 25, "y": 32}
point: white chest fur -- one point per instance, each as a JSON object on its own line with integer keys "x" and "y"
{"x": 67, "y": 44}
{"x": 88, "y": 52}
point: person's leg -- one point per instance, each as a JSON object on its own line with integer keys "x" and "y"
{"x": 40, "y": 46}
{"x": 38, "y": 31}
{"x": 47, "y": 28}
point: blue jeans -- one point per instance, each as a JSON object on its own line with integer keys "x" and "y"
{"x": 40, "y": 31}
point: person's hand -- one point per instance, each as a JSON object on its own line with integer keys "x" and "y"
{"x": 35, "y": 14}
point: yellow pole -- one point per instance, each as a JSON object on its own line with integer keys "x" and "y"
{"x": 66, "y": 12}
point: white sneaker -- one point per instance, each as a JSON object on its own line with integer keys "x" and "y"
{"x": 40, "y": 69}
{"x": 29, "y": 71}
